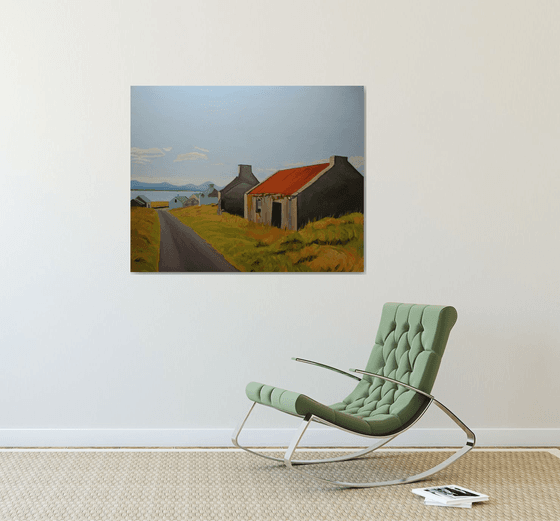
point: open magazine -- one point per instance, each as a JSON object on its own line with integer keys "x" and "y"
{"x": 450, "y": 495}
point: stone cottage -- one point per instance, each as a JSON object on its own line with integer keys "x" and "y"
{"x": 231, "y": 197}
{"x": 291, "y": 198}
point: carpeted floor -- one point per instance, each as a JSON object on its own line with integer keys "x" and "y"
{"x": 231, "y": 485}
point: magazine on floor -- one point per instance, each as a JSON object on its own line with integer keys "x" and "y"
{"x": 450, "y": 495}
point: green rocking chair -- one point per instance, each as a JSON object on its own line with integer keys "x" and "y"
{"x": 391, "y": 396}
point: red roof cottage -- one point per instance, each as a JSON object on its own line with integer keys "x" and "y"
{"x": 291, "y": 198}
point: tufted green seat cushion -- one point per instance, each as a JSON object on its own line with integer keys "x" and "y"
{"x": 408, "y": 347}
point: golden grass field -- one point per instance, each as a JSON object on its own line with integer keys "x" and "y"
{"x": 160, "y": 204}
{"x": 326, "y": 245}
{"x": 144, "y": 239}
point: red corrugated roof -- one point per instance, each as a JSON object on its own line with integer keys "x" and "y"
{"x": 287, "y": 182}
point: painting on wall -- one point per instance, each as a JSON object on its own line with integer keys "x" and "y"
{"x": 247, "y": 179}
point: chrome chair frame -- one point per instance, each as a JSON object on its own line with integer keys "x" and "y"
{"x": 292, "y": 463}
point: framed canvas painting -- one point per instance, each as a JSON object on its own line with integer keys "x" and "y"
{"x": 247, "y": 179}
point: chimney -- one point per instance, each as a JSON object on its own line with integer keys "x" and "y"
{"x": 338, "y": 160}
{"x": 245, "y": 172}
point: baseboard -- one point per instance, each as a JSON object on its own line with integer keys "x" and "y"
{"x": 314, "y": 437}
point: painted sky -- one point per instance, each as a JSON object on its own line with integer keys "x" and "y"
{"x": 196, "y": 134}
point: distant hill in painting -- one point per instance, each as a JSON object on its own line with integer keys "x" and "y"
{"x": 137, "y": 185}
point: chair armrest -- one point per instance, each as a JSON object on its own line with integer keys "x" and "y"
{"x": 330, "y": 368}
{"x": 393, "y": 381}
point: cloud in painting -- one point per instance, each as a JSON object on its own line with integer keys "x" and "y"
{"x": 190, "y": 156}
{"x": 168, "y": 149}
{"x": 144, "y": 155}
{"x": 203, "y": 149}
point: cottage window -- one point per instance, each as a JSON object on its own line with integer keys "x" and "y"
{"x": 258, "y": 206}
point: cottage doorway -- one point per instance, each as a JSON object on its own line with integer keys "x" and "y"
{"x": 276, "y": 215}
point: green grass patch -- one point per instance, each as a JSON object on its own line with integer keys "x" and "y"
{"x": 144, "y": 239}
{"x": 326, "y": 245}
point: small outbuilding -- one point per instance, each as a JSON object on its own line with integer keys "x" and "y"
{"x": 231, "y": 197}
{"x": 209, "y": 196}
{"x": 178, "y": 201}
{"x": 192, "y": 200}
{"x": 141, "y": 201}
{"x": 291, "y": 198}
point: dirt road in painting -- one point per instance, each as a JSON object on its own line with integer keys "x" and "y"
{"x": 181, "y": 249}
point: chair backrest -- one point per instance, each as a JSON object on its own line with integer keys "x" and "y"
{"x": 410, "y": 342}
{"x": 408, "y": 347}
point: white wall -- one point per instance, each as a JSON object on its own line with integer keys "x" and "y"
{"x": 462, "y": 168}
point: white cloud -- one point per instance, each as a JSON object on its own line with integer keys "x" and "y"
{"x": 203, "y": 149}
{"x": 217, "y": 164}
{"x": 144, "y": 155}
{"x": 321, "y": 161}
{"x": 190, "y": 156}
{"x": 356, "y": 161}
{"x": 293, "y": 164}
{"x": 168, "y": 149}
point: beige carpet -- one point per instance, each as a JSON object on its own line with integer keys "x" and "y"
{"x": 230, "y": 485}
